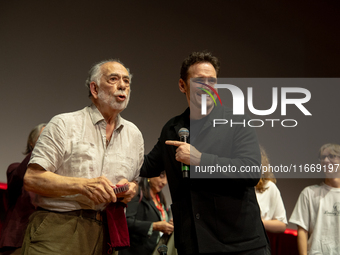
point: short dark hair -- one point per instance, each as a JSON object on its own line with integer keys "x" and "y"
{"x": 198, "y": 57}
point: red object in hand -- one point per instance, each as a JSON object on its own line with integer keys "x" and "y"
{"x": 121, "y": 188}
{"x": 118, "y": 229}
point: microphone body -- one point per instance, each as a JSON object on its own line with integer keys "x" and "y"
{"x": 162, "y": 249}
{"x": 183, "y": 134}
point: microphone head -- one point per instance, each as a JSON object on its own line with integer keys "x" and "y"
{"x": 162, "y": 248}
{"x": 183, "y": 132}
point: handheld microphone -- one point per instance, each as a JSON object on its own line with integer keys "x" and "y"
{"x": 162, "y": 249}
{"x": 183, "y": 134}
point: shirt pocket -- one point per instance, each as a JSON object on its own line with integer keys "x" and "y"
{"x": 124, "y": 167}
{"x": 82, "y": 159}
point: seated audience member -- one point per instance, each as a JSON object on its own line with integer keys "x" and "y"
{"x": 147, "y": 217}
{"x": 317, "y": 210}
{"x": 19, "y": 200}
{"x": 273, "y": 212}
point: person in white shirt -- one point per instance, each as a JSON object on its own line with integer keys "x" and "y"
{"x": 78, "y": 160}
{"x": 317, "y": 211}
{"x": 273, "y": 212}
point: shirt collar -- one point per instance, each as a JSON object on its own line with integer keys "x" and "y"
{"x": 97, "y": 117}
{"x": 119, "y": 123}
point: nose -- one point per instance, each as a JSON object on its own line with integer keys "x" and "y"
{"x": 121, "y": 84}
{"x": 326, "y": 159}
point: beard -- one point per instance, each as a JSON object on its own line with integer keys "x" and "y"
{"x": 110, "y": 99}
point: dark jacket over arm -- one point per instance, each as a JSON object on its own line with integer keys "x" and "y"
{"x": 19, "y": 206}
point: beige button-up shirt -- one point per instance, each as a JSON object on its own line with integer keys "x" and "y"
{"x": 74, "y": 144}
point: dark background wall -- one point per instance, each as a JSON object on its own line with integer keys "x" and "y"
{"x": 47, "y": 47}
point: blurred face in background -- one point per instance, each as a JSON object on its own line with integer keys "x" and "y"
{"x": 330, "y": 161}
{"x": 158, "y": 183}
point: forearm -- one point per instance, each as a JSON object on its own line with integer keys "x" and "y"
{"x": 302, "y": 239}
{"x": 49, "y": 184}
{"x": 274, "y": 226}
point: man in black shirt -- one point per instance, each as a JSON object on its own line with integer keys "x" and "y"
{"x": 211, "y": 216}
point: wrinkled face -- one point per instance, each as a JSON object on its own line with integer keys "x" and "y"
{"x": 114, "y": 86}
{"x": 158, "y": 183}
{"x": 197, "y": 74}
{"x": 330, "y": 162}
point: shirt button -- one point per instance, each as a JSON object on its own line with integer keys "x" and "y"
{"x": 198, "y": 216}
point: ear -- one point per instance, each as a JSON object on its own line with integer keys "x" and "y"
{"x": 182, "y": 86}
{"x": 94, "y": 89}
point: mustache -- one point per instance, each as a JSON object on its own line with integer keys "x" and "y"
{"x": 120, "y": 93}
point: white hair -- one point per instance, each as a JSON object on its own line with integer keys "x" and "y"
{"x": 95, "y": 73}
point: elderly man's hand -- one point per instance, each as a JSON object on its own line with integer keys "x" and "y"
{"x": 99, "y": 190}
{"x": 130, "y": 193}
{"x": 186, "y": 153}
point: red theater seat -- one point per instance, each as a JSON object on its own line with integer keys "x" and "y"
{"x": 284, "y": 243}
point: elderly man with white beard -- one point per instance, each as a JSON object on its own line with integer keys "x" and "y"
{"x": 78, "y": 160}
